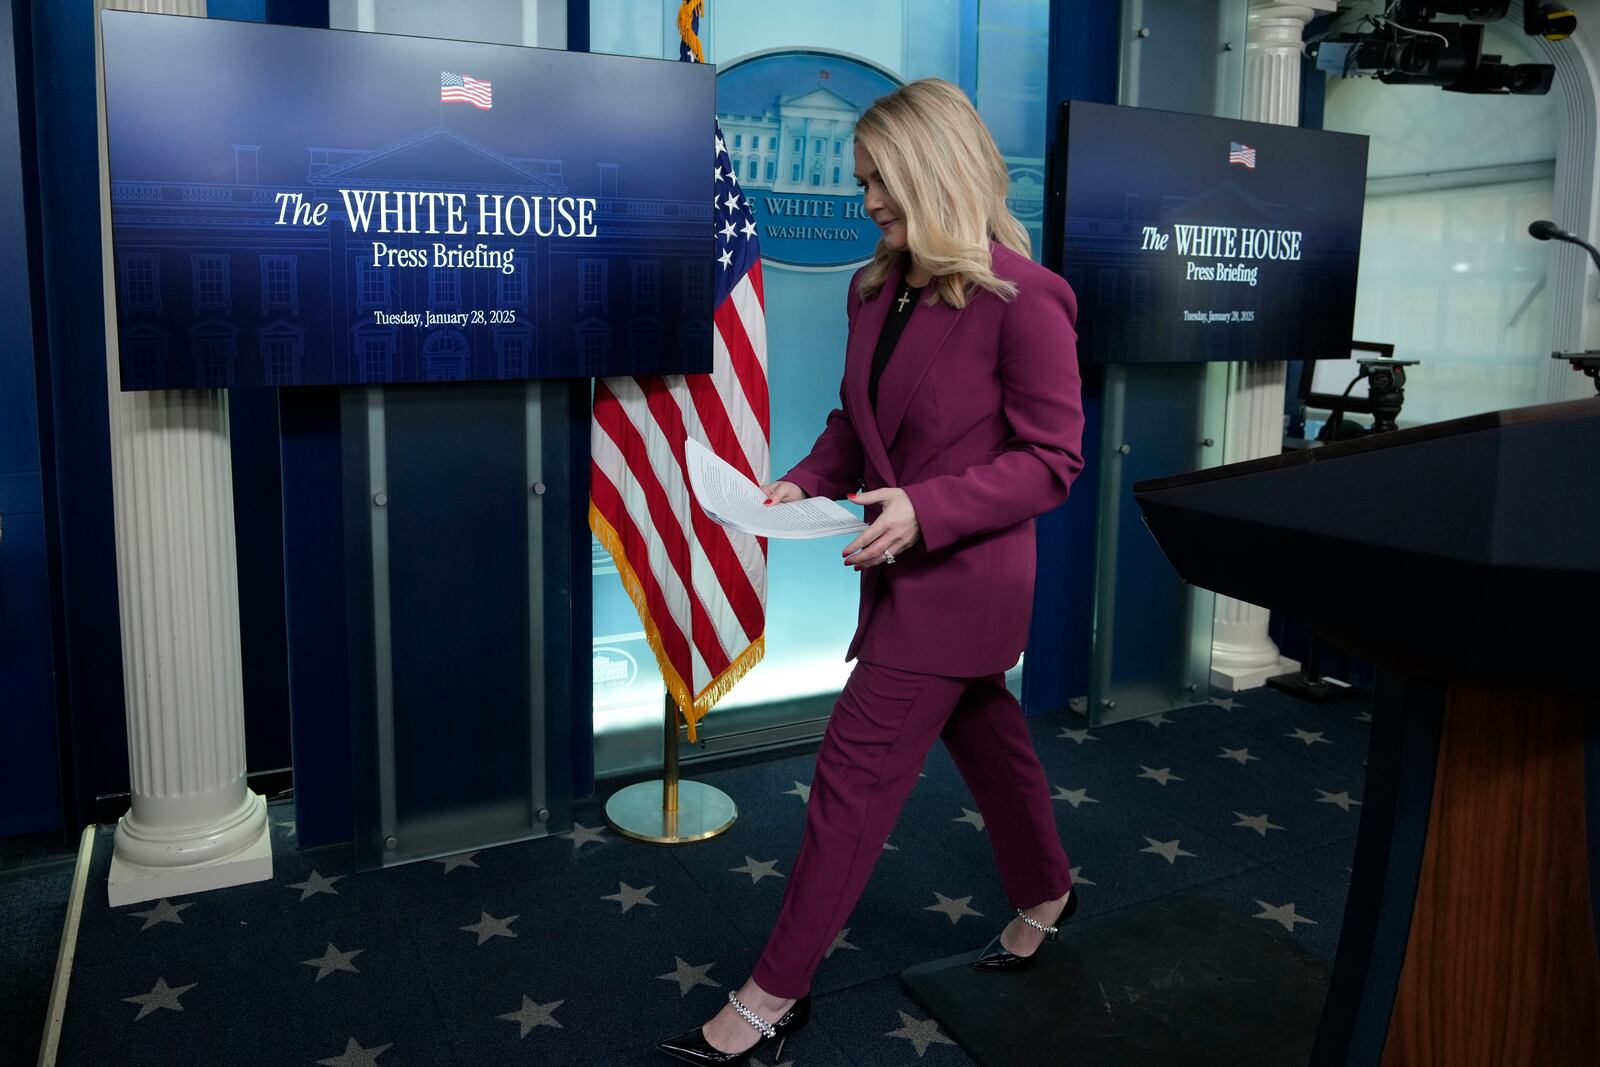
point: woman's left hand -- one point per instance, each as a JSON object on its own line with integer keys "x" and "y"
{"x": 894, "y": 530}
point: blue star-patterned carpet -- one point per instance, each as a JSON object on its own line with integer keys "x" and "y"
{"x": 587, "y": 948}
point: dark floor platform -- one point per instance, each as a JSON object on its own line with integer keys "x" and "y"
{"x": 1183, "y": 979}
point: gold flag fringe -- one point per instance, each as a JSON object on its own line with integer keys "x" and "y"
{"x": 688, "y": 11}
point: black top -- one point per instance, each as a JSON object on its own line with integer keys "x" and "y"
{"x": 900, "y": 310}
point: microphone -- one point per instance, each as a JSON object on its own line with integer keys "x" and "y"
{"x": 1545, "y": 230}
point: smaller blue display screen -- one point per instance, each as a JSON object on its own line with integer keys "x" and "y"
{"x": 1191, "y": 238}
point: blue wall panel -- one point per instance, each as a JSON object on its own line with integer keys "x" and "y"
{"x": 1083, "y": 66}
{"x": 258, "y": 537}
{"x": 315, "y": 612}
{"x": 75, "y": 433}
{"x": 30, "y": 789}
{"x": 567, "y": 560}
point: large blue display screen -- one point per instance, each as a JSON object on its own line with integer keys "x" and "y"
{"x": 1192, "y": 238}
{"x": 298, "y": 206}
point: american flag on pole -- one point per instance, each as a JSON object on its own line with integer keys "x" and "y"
{"x": 700, "y": 588}
{"x": 1241, "y": 153}
{"x": 461, "y": 89}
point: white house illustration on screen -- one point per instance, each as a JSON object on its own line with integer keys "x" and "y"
{"x": 800, "y": 145}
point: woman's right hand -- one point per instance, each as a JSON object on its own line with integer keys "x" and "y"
{"x": 783, "y": 492}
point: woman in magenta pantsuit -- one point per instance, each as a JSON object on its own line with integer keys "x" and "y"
{"x": 959, "y": 421}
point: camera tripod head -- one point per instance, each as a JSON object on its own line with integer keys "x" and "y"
{"x": 1386, "y": 387}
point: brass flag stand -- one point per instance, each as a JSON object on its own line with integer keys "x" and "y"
{"x": 668, "y": 811}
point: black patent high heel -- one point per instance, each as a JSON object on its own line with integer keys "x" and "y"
{"x": 693, "y": 1047}
{"x": 996, "y": 957}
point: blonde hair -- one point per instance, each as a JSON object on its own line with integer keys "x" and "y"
{"x": 941, "y": 165}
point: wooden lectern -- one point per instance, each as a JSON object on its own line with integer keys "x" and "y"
{"x": 1464, "y": 558}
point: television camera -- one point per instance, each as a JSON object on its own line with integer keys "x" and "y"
{"x": 1408, "y": 45}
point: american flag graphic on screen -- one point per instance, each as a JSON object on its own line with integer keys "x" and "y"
{"x": 1242, "y": 153}
{"x": 461, "y": 89}
{"x": 700, "y": 588}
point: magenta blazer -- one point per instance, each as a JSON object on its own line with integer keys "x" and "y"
{"x": 980, "y": 421}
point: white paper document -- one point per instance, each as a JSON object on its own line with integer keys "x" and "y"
{"x": 736, "y": 502}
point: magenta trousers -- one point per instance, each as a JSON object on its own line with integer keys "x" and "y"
{"x": 880, "y": 732}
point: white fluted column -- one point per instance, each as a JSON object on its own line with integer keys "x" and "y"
{"x": 1242, "y": 655}
{"x": 193, "y": 824}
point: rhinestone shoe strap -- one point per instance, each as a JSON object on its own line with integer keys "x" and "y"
{"x": 751, "y": 1017}
{"x": 1035, "y": 923}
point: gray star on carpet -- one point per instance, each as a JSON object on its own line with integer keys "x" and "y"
{"x": 288, "y": 827}
{"x": 316, "y": 884}
{"x": 582, "y": 835}
{"x": 1157, "y": 720}
{"x": 628, "y": 896}
{"x": 161, "y": 995}
{"x": 888, "y": 847}
{"x": 1074, "y": 796}
{"x": 840, "y": 942}
{"x": 533, "y": 1014}
{"x": 920, "y": 1032}
{"x": 460, "y": 859}
{"x": 1258, "y": 823}
{"x": 163, "y": 912}
{"x": 1080, "y": 736}
{"x": 1310, "y": 737}
{"x": 1341, "y": 798}
{"x": 356, "y": 1056}
{"x": 1225, "y": 703}
{"x": 488, "y": 926}
{"x": 970, "y": 816}
{"x": 1078, "y": 879}
{"x": 688, "y": 977}
{"x": 1283, "y": 914}
{"x": 757, "y": 869}
{"x": 334, "y": 960}
{"x": 1240, "y": 755}
{"x": 800, "y": 790}
{"x": 955, "y": 907}
{"x": 1155, "y": 774}
{"x": 1365, "y": 716}
{"x": 1167, "y": 850}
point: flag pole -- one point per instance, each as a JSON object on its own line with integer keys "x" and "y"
{"x": 669, "y": 758}
{"x": 670, "y": 811}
